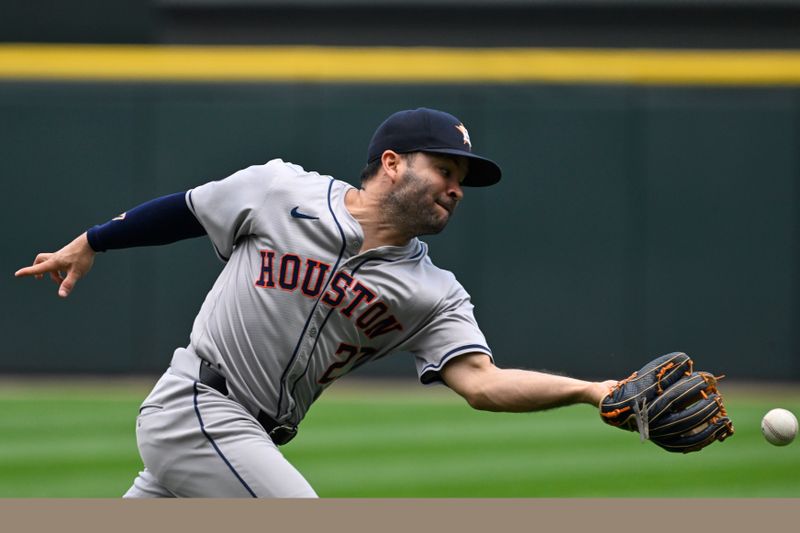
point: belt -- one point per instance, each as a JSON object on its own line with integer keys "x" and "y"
{"x": 279, "y": 433}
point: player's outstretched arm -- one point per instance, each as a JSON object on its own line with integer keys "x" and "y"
{"x": 65, "y": 267}
{"x": 489, "y": 388}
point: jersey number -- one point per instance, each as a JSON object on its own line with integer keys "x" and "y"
{"x": 354, "y": 357}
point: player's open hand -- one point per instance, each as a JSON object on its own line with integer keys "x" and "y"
{"x": 65, "y": 266}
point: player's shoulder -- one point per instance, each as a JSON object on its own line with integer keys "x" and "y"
{"x": 286, "y": 169}
{"x": 277, "y": 172}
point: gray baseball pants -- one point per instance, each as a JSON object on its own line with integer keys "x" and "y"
{"x": 195, "y": 442}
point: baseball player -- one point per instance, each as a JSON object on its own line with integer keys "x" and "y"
{"x": 320, "y": 278}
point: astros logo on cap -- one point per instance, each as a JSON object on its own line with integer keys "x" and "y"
{"x": 464, "y": 131}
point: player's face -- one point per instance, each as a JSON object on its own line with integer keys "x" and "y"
{"x": 428, "y": 192}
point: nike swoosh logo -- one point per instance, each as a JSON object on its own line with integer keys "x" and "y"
{"x": 297, "y": 214}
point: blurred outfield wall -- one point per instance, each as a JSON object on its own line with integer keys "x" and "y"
{"x": 633, "y": 219}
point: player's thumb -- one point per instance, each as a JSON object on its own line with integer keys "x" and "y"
{"x": 68, "y": 284}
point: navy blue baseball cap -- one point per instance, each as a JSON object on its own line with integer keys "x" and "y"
{"x": 429, "y": 130}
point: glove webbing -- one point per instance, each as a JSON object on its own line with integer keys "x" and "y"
{"x": 712, "y": 381}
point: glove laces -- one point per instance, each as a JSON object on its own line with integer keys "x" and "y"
{"x": 641, "y": 417}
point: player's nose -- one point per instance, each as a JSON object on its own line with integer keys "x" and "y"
{"x": 455, "y": 191}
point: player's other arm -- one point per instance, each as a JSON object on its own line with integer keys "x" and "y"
{"x": 489, "y": 388}
{"x": 159, "y": 221}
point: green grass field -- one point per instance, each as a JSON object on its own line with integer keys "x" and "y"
{"x": 388, "y": 441}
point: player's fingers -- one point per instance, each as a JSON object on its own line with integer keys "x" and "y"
{"x": 68, "y": 284}
{"x": 57, "y": 277}
{"x": 40, "y": 266}
{"x": 41, "y": 258}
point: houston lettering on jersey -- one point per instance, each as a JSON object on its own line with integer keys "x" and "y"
{"x": 354, "y": 300}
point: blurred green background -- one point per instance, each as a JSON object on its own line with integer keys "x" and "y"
{"x": 380, "y": 439}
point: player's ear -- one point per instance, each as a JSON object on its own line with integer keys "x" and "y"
{"x": 390, "y": 161}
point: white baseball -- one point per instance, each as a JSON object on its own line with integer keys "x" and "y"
{"x": 779, "y": 427}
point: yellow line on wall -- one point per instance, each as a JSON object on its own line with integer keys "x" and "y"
{"x": 397, "y": 65}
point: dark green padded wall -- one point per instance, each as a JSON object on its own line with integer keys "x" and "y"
{"x": 631, "y": 220}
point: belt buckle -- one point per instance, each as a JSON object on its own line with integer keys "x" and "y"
{"x": 282, "y": 434}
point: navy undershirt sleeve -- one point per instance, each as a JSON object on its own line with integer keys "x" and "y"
{"x": 160, "y": 221}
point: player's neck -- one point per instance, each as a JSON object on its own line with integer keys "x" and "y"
{"x": 366, "y": 209}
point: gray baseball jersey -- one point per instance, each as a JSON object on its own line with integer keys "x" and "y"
{"x": 298, "y": 306}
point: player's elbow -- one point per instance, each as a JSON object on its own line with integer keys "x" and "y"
{"x": 480, "y": 398}
{"x": 474, "y": 377}
{"x": 483, "y": 404}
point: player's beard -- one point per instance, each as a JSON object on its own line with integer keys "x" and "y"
{"x": 410, "y": 207}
